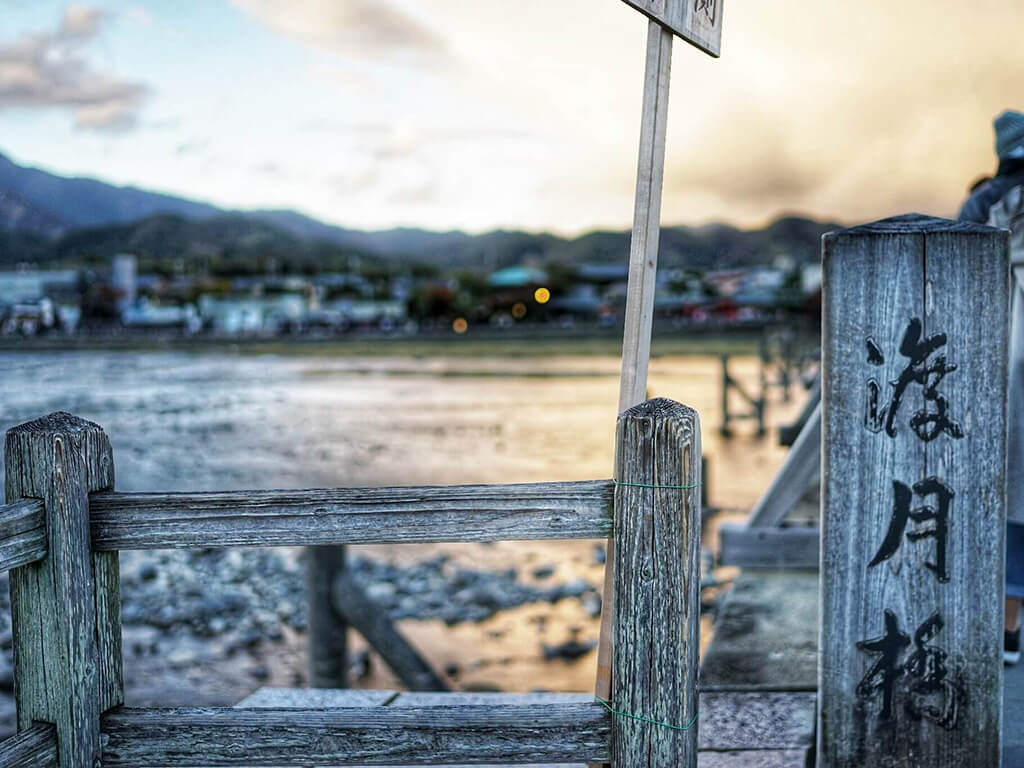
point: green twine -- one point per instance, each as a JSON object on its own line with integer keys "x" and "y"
{"x": 671, "y": 726}
{"x": 654, "y": 485}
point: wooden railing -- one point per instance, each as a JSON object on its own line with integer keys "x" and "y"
{"x": 63, "y": 524}
{"x": 22, "y": 533}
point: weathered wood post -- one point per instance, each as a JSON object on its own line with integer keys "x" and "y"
{"x": 328, "y": 630}
{"x": 371, "y": 621}
{"x": 657, "y": 586}
{"x": 700, "y": 24}
{"x": 65, "y": 608}
{"x": 913, "y": 494}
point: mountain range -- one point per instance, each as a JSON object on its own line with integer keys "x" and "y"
{"x": 50, "y": 219}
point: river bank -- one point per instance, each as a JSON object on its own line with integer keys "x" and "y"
{"x": 484, "y": 342}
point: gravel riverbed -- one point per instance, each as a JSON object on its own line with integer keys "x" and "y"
{"x": 207, "y": 627}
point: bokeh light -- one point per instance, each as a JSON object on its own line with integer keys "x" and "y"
{"x": 460, "y": 325}
{"x": 519, "y": 310}
{"x": 542, "y": 295}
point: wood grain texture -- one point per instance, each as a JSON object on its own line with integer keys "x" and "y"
{"x": 729, "y": 721}
{"x": 32, "y": 748}
{"x": 315, "y": 698}
{"x": 469, "y": 698}
{"x": 65, "y": 608}
{"x": 362, "y": 736}
{"x": 798, "y": 471}
{"x": 657, "y": 583}
{"x": 644, "y": 240}
{"x": 402, "y": 515}
{"x": 952, "y": 276}
{"x": 328, "y": 631}
{"x": 371, "y": 621}
{"x": 643, "y": 267}
{"x": 22, "y": 533}
{"x": 698, "y": 22}
{"x": 746, "y": 547}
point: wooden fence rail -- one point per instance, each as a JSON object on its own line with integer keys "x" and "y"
{"x": 402, "y": 515}
{"x": 35, "y": 747}
{"x": 22, "y": 533}
{"x": 357, "y": 736}
{"x": 63, "y": 525}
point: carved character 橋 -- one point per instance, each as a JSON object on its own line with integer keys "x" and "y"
{"x": 926, "y": 669}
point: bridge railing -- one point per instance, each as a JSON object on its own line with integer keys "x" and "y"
{"x": 63, "y": 525}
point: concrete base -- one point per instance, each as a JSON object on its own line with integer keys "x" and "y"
{"x": 766, "y": 635}
{"x": 766, "y": 638}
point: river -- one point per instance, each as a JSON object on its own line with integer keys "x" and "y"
{"x": 206, "y": 422}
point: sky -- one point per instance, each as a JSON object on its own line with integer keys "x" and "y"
{"x": 447, "y": 114}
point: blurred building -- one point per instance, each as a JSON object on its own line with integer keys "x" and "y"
{"x": 123, "y": 279}
{"x": 33, "y": 301}
{"x": 33, "y": 285}
{"x": 145, "y": 315}
{"x": 253, "y": 314}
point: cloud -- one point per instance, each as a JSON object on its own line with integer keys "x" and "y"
{"x": 192, "y": 146}
{"x": 829, "y": 112}
{"x": 49, "y": 69}
{"x": 350, "y": 27}
{"x": 745, "y": 159}
{"x": 80, "y": 22}
{"x": 270, "y": 169}
{"x": 393, "y": 164}
{"x": 346, "y": 127}
{"x": 426, "y": 191}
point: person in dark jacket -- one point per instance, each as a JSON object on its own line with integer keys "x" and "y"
{"x": 1010, "y": 173}
{"x": 1000, "y": 201}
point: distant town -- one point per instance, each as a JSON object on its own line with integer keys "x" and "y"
{"x": 402, "y": 300}
{"x": 83, "y": 258}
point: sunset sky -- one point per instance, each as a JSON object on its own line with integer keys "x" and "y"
{"x": 511, "y": 113}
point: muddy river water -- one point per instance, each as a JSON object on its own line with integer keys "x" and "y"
{"x": 220, "y": 421}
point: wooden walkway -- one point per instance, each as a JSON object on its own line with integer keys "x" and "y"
{"x": 758, "y": 682}
{"x": 766, "y": 639}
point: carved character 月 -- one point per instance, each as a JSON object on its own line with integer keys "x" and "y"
{"x": 902, "y": 513}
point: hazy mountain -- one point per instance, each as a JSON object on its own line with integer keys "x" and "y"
{"x": 43, "y": 203}
{"x": 225, "y": 244}
{"x": 399, "y": 242}
{"x": 18, "y": 214}
{"x": 50, "y": 218}
{"x": 80, "y": 202}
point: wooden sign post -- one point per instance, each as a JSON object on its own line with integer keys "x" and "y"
{"x": 699, "y": 22}
{"x": 913, "y": 494}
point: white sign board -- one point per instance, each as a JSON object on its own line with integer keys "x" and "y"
{"x": 698, "y": 22}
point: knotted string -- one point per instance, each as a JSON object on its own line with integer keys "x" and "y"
{"x": 642, "y": 719}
